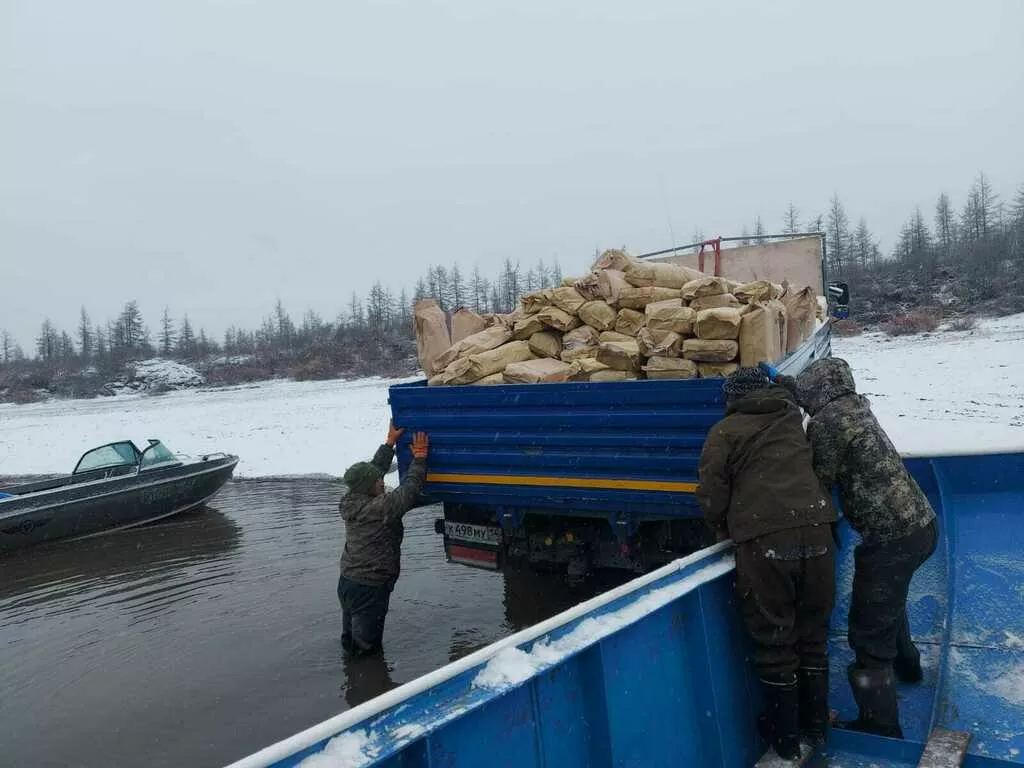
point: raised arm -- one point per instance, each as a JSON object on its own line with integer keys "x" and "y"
{"x": 402, "y": 499}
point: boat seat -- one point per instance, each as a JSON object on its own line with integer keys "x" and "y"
{"x": 944, "y": 749}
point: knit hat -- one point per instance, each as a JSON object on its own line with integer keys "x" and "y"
{"x": 361, "y": 477}
{"x": 744, "y": 381}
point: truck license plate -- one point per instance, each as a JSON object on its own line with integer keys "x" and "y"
{"x": 474, "y": 534}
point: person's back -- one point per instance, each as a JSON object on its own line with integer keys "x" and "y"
{"x": 758, "y": 487}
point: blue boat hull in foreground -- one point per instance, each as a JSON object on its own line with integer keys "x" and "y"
{"x": 657, "y": 672}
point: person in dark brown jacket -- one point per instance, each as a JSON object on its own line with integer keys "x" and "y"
{"x": 371, "y": 560}
{"x": 758, "y": 487}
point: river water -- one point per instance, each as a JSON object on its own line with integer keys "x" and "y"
{"x": 203, "y": 638}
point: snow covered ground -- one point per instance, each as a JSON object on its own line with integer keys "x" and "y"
{"x": 943, "y": 392}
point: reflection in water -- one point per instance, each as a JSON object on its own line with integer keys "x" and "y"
{"x": 366, "y": 677}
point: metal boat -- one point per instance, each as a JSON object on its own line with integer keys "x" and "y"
{"x": 111, "y": 487}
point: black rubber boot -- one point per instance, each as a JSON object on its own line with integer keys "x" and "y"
{"x": 813, "y": 683}
{"x": 779, "y": 722}
{"x": 874, "y": 690}
{"x": 907, "y": 664}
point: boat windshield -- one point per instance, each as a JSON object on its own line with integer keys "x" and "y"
{"x": 156, "y": 453}
{"x": 106, "y": 456}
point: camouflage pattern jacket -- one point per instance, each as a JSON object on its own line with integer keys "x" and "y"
{"x": 851, "y": 450}
{"x": 373, "y": 525}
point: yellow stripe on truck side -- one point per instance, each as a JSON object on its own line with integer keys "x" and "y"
{"x": 563, "y": 482}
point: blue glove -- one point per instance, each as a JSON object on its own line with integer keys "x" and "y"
{"x": 769, "y": 370}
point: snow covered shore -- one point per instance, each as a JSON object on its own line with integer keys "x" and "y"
{"x": 942, "y": 392}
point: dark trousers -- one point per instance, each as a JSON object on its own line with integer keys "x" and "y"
{"x": 363, "y": 610}
{"x": 786, "y": 586}
{"x": 878, "y": 629}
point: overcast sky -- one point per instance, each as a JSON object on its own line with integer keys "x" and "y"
{"x": 213, "y": 156}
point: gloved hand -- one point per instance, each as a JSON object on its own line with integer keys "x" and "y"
{"x": 420, "y": 445}
{"x": 394, "y": 434}
{"x": 769, "y": 370}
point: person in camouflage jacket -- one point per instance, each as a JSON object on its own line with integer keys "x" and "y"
{"x": 371, "y": 560}
{"x": 897, "y": 526}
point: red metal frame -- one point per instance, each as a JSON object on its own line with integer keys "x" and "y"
{"x": 716, "y": 244}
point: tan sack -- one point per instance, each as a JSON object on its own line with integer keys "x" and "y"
{"x": 586, "y": 366}
{"x": 761, "y": 334}
{"x": 670, "y": 368}
{"x": 567, "y": 299}
{"x": 432, "y": 337}
{"x": 559, "y": 319}
{"x": 493, "y": 361}
{"x": 578, "y": 353}
{"x": 615, "y": 336}
{"x": 670, "y": 315}
{"x": 526, "y": 326}
{"x": 546, "y": 344}
{"x": 537, "y": 371}
{"x": 638, "y": 298}
{"x": 723, "y": 323}
{"x": 584, "y": 336}
{"x": 660, "y": 275}
{"x": 535, "y": 301}
{"x": 613, "y": 375}
{"x": 589, "y": 286}
{"x": 613, "y": 259}
{"x": 489, "y": 338}
{"x": 716, "y": 370}
{"x": 568, "y": 282}
{"x": 659, "y": 343}
{"x": 611, "y": 283}
{"x": 714, "y": 302}
{"x": 705, "y": 286}
{"x": 494, "y": 378}
{"x": 801, "y": 307}
{"x": 629, "y": 322}
{"x": 759, "y": 290}
{"x": 620, "y": 355}
{"x": 598, "y": 314}
{"x": 466, "y": 322}
{"x": 710, "y": 351}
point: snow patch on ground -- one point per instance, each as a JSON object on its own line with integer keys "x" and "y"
{"x": 514, "y": 665}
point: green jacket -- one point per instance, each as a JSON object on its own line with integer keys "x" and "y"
{"x": 756, "y": 475}
{"x": 373, "y": 525}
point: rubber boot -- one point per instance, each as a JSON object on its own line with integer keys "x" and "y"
{"x": 874, "y": 690}
{"x": 907, "y": 664}
{"x": 778, "y": 724}
{"x": 813, "y": 683}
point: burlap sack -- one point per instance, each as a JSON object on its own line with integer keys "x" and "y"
{"x": 536, "y": 301}
{"x": 670, "y": 368}
{"x": 578, "y": 353}
{"x": 559, "y": 319}
{"x": 589, "y": 286}
{"x": 567, "y": 299}
{"x": 716, "y": 370}
{"x": 761, "y": 291}
{"x": 432, "y": 337}
{"x": 466, "y": 322}
{"x": 705, "y": 286}
{"x": 486, "y": 381}
{"x": 619, "y": 355}
{"x": 613, "y": 375}
{"x": 723, "y": 323}
{"x": 615, "y": 336}
{"x": 546, "y": 344}
{"x": 638, "y": 298}
{"x": 537, "y": 371}
{"x": 526, "y": 326}
{"x": 611, "y": 283}
{"x": 670, "y": 315}
{"x": 800, "y": 313}
{"x": 612, "y": 259}
{"x": 821, "y": 311}
{"x": 629, "y": 322}
{"x": 493, "y": 361}
{"x": 586, "y": 367}
{"x": 584, "y": 336}
{"x": 660, "y": 275}
{"x": 714, "y": 302}
{"x": 568, "y": 282}
{"x": 710, "y": 351}
{"x": 761, "y": 334}
{"x": 598, "y": 314}
{"x": 489, "y": 338}
{"x": 659, "y": 343}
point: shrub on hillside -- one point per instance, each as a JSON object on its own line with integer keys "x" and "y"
{"x": 919, "y": 321}
{"x": 847, "y": 328}
{"x": 963, "y": 323}
{"x": 317, "y": 369}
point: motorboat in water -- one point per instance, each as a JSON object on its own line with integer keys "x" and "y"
{"x": 111, "y": 487}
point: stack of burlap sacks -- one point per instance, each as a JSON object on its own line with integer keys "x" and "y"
{"x": 625, "y": 320}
